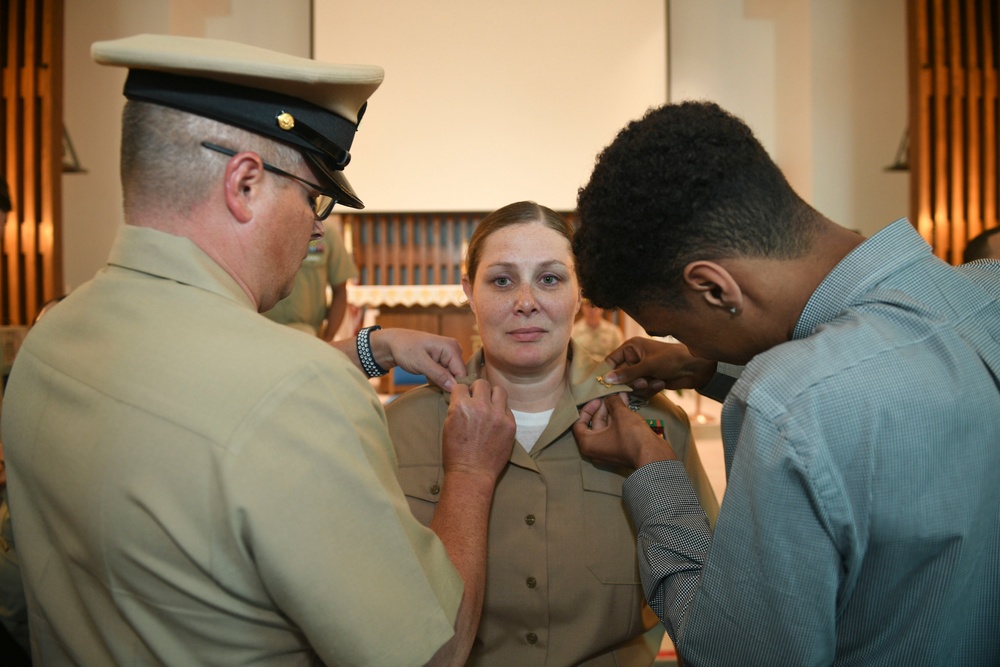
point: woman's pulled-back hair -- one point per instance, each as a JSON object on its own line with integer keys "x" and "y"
{"x": 512, "y": 214}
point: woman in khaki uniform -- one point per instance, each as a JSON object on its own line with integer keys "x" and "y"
{"x": 562, "y": 581}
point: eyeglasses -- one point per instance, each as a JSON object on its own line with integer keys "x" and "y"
{"x": 322, "y": 203}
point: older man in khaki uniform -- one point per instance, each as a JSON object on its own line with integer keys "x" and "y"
{"x": 192, "y": 484}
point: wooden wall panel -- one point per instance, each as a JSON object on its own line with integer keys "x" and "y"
{"x": 31, "y": 156}
{"x": 953, "y": 55}
{"x": 411, "y": 248}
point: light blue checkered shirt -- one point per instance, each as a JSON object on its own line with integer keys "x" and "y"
{"x": 861, "y": 520}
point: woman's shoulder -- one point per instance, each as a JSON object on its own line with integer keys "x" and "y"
{"x": 415, "y": 420}
{"x": 414, "y": 403}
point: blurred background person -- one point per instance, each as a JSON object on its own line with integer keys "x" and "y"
{"x": 594, "y": 333}
{"x": 562, "y": 585}
{"x": 983, "y": 246}
{"x": 327, "y": 265}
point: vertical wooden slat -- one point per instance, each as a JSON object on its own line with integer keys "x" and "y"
{"x": 435, "y": 251}
{"x": 921, "y": 85}
{"x": 953, "y": 120}
{"x": 393, "y": 274}
{"x": 12, "y": 171}
{"x": 382, "y": 264}
{"x": 29, "y": 98}
{"x": 30, "y": 152}
{"x": 952, "y": 231}
{"x": 991, "y": 107}
{"x": 411, "y": 263}
{"x": 973, "y": 110}
{"x": 51, "y": 233}
{"x": 370, "y": 260}
{"x": 940, "y": 128}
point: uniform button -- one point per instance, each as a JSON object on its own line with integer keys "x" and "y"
{"x": 532, "y": 638}
{"x": 530, "y": 519}
{"x": 532, "y": 582}
{"x": 435, "y": 489}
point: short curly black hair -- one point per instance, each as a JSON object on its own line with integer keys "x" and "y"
{"x": 688, "y": 181}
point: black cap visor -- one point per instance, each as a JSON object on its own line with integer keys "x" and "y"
{"x": 323, "y": 137}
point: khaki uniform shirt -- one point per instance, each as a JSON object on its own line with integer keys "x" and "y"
{"x": 192, "y": 484}
{"x": 562, "y": 581}
{"x": 326, "y": 263}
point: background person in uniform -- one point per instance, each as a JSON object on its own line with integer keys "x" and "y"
{"x": 193, "y": 484}
{"x": 984, "y": 246}
{"x": 327, "y": 265}
{"x": 861, "y": 522}
{"x": 594, "y": 333}
{"x": 562, "y": 585}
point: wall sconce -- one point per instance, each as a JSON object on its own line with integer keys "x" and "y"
{"x": 902, "y": 161}
{"x": 71, "y": 164}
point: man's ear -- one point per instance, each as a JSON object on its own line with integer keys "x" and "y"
{"x": 242, "y": 181}
{"x": 467, "y": 288}
{"x": 713, "y": 283}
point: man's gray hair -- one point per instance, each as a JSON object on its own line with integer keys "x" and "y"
{"x": 164, "y": 165}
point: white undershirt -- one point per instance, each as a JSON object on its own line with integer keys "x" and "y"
{"x": 530, "y": 425}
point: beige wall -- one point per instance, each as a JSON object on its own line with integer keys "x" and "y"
{"x": 822, "y": 82}
{"x": 485, "y": 103}
{"x": 92, "y": 201}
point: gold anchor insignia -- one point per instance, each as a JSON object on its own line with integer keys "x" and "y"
{"x": 285, "y": 120}
{"x": 600, "y": 378}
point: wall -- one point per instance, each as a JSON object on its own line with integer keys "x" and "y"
{"x": 92, "y": 209}
{"x": 485, "y": 103}
{"x": 822, "y": 82}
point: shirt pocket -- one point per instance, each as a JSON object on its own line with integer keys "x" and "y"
{"x": 610, "y": 538}
{"x": 421, "y": 485}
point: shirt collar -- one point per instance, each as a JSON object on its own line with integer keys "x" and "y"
{"x": 871, "y": 262}
{"x": 171, "y": 257}
{"x": 583, "y": 373}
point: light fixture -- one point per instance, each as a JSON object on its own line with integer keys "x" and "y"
{"x": 70, "y": 163}
{"x": 902, "y": 161}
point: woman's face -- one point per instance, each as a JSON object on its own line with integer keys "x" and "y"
{"x": 525, "y": 297}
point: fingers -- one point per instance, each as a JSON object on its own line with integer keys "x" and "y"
{"x": 460, "y": 392}
{"x": 441, "y": 376}
{"x": 439, "y": 358}
{"x": 445, "y": 361}
{"x": 630, "y": 374}
{"x": 589, "y": 410}
{"x": 615, "y": 405}
{"x": 451, "y": 359}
